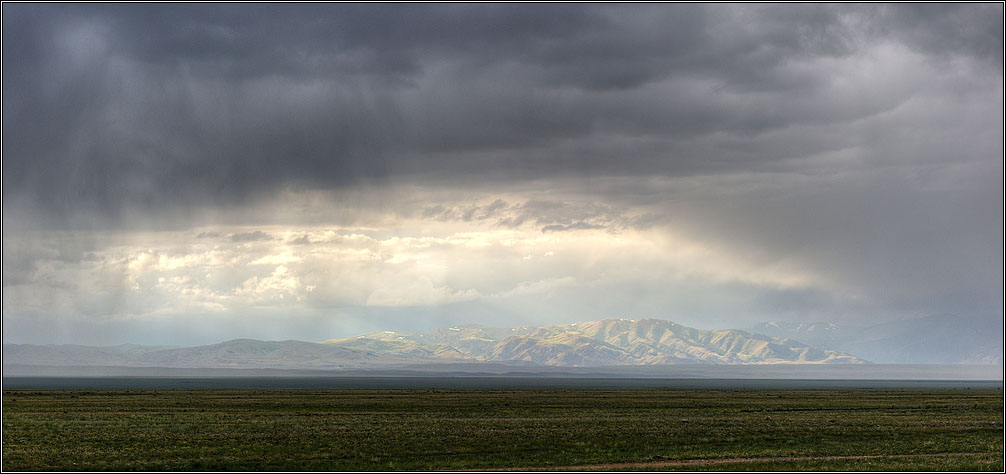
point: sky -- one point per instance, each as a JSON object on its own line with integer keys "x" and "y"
{"x": 192, "y": 173}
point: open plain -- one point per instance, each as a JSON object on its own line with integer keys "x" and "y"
{"x": 518, "y": 429}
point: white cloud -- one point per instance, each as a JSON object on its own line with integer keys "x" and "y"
{"x": 407, "y": 262}
{"x": 278, "y": 259}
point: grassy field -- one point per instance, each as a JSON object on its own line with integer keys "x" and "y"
{"x": 624, "y": 429}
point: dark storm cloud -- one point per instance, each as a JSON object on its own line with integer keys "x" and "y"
{"x": 976, "y": 31}
{"x": 186, "y": 105}
{"x": 862, "y": 142}
{"x": 114, "y": 108}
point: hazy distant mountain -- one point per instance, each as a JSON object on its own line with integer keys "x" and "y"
{"x": 940, "y": 339}
{"x": 601, "y": 343}
{"x": 121, "y": 355}
{"x": 240, "y": 353}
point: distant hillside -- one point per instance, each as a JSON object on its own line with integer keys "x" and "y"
{"x": 602, "y": 343}
{"x": 939, "y": 339}
{"x": 239, "y": 353}
{"x": 589, "y": 344}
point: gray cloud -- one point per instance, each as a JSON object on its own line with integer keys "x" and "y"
{"x": 862, "y": 141}
{"x": 573, "y": 226}
{"x": 550, "y": 215}
{"x": 173, "y": 107}
{"x": 302, "y": 240}
{"x": 250, "y": 236}
{"x": 944, "y": 29}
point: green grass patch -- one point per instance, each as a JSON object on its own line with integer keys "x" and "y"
{"x": 478, "y": 429}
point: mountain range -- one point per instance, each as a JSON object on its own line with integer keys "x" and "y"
{"x": 937, "y": 339}
{"x": 610, "y": 342}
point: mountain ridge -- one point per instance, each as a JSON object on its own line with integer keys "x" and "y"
{"x": 609, "y": 342}
{"x": 935, "y": 339}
